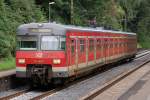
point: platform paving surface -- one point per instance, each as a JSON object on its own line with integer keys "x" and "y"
{"x": 7, "y": 73}
{"x": 134, "y": 87}
{"x": 140, "y": 90}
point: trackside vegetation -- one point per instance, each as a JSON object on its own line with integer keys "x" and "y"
{"x": 7, "y": 63}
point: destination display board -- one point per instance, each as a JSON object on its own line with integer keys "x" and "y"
{"x": 40, "y": 30}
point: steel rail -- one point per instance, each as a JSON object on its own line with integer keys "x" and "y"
{"x": 15, "y": 94}
{"x": 142, "y": 54}
{"x": 46, "y": 94}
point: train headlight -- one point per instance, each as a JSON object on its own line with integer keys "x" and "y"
{"x": 21, "y": 61}
{"x": 56, "y": 61}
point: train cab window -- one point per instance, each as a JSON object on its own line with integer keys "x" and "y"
{"x": 82, "y": 45}
{"x": 27, "y": 43}
{"x": 53, "y": 43}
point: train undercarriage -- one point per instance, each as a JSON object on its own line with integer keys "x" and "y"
{"x": 39, "y": 74}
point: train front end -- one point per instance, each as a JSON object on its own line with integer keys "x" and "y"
{"x": 40, "y": 54}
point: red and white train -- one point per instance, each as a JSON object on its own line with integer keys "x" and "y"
{"x": 50, "y": 52}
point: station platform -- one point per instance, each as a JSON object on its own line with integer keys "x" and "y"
{"x": 7, "y": 73}
{"x": 140, "y": 90}
{"x": 134, "y": 87}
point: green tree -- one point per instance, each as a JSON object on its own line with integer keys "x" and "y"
{"x": 60, "y": 11}
{"x": 12, "y": 14}
{"x": 143, "y": 24}
{"x": 105, "y": 12}
{"x": 5, "y": 38}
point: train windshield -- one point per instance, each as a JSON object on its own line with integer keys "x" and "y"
{"x": 53, "y": 43}
{"x": 27, "y": 43}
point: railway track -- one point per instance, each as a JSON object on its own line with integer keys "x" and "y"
{"x": 114, "y": 81}
{"x": 32, "y": 95}
{"x": 15, "y": 94}
{"x": 36, "y": 95}
{"x": 141, "y": 52}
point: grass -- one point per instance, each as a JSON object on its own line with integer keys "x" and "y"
{"x": 7, "y": 63}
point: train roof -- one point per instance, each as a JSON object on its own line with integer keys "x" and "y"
{"x": 59, "y": 29}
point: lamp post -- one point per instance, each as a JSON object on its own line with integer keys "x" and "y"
{"x": 72, "y": 12}
{"x": 50, "y": 3}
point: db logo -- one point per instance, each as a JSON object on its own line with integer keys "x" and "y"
{"x": 39, "y": 55}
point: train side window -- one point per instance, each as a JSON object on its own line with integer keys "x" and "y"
{"x": 82, "y": 45}
{"x": 72, "y": 46}
{"x": 120, "y": 44}
{"x": 110, "y": 42}
{"x": 91, "y": 45}
{"x": 98, "y": 44}
{"x": 116, "y": 44}
{"x": 106, "y": 44}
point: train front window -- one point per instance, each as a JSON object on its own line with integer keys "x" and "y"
{"x": 27, "y": 43}
{"x": 53, "y": 43}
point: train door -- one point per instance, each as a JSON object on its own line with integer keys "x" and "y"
{"x": 87, "y": 50}
{"x": 125, "y": 45}
{"x": 76, "y": 55}
{"x": 113, "y": 47}
{"x": 81, "y": 53}
{"x": 73, "y": 56}
{"x": 91, "y": 51}
{"x": 108, "y": 49}
{"x": 98, "y": 46}
{"x": 99, "y": 51}
{"x": 103, "y": 49}
{"x": 107, "y": 42}
{"x": 120, "y": 46}
{"x": 95, "y": 50}
{"x": 117, "y": 47}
